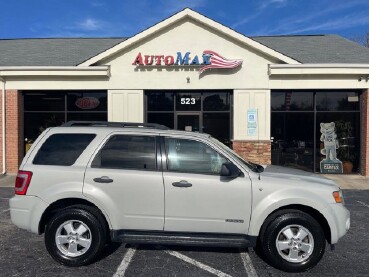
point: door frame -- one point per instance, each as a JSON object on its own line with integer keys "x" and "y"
{"x": 199, "y": 114}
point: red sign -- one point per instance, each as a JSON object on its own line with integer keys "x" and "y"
{"x": 208, "y": 60}
{"x": 87, "y": 103}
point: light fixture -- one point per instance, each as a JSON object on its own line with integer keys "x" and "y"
{"x": 188, "y": 79}
{"x": 360, "y": 78}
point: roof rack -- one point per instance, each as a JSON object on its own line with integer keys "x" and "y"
{"x": 114, "y": 124}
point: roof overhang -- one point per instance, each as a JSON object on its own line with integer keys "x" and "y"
{"x": 318, "y": 69}
{"x": 97, "y": 71}
{"x": 190, "y": 14}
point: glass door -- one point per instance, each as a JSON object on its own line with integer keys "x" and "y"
{"x": 189, "y": 122}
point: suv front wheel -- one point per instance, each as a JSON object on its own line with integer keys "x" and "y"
{"x": 293, "y": 241}
{"x": 74, "y": 236}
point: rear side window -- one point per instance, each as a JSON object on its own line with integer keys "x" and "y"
{"x": 62, "y": 149}
{"x": 127, "y": 152}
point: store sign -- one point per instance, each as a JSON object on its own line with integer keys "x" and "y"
{"x": 209, "y": 59}
{"x": 252, "y": 119}
{"x": 87, "y": 103}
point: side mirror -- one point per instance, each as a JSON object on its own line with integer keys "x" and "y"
{"x": 230, "y": 170}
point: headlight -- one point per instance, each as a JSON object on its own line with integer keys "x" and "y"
{"x": 338, "y": 196}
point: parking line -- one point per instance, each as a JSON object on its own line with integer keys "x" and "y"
{"x": 362, "y": 203}
{"x": 125, "y": 262}
{"x": 197, "y": 264}
{"x": 250, "y": 270}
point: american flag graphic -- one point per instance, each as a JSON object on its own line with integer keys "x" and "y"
{"x": 217, "y": 61}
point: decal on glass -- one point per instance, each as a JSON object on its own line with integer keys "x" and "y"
{"x": 87, "y": 103}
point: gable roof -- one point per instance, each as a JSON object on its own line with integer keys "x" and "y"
{"x": 317, "y": 48}
{"x": 52, "y": 52}
{"x": 189, "y": 14}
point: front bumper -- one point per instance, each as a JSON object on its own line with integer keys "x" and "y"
{"x": 340, "y": 222}
{"x": 26, "y": 211}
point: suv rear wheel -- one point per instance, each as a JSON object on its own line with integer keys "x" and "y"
{"x": 75, "y": 236}
{"x": 293, "y": 241}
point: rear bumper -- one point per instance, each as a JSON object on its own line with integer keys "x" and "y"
{"x": 26, "y": 211}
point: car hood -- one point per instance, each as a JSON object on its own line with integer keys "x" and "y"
{"x": 296, "y": 177}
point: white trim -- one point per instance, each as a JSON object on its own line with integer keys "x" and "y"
{"x": 318, "y": 69}
{"x": 188, "y": 13}
{"x": 103, "y": 71}
{"x": 3, "y": 122}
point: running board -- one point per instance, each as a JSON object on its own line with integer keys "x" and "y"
{"x": 177, "y": 238}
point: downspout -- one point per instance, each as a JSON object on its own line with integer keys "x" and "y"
{"x": 2, "y": 79}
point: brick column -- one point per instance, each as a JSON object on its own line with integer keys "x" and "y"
{"x": 365, "y": 133}
{"x": 14, "y": 130}
{"x": 254, "y": 151}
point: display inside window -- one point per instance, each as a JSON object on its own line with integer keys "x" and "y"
{"x": 298, "y": 139}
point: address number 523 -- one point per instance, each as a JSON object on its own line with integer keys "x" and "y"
{"x": 188, "y": 101}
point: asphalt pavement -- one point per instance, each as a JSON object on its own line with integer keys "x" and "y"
{"x": 24, "y": 254}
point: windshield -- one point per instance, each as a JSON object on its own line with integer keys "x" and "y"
{"x": 250, "y": 165}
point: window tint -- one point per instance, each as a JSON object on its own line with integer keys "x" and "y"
{"x": 62, "y": 149}
{"x": 292, "y": 101}
{"x": 337, "y": 101}
{"x": 127, "y": 152}
{"x": 193, "y": 157}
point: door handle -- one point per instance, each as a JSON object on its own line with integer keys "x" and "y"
{"x": 182, "y": 184}
{"x": 103, "y": 179}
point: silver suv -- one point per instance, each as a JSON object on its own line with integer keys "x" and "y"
{"x": 87, "y": 183}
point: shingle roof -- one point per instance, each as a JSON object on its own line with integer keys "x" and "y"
{"x": 317, "y": 48}
{"x": 73, "y": 51}
{"x": 53, "y": 51}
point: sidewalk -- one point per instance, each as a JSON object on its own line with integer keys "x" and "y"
{"x": 7, "y": 180}
{"x": 352, "y": 181}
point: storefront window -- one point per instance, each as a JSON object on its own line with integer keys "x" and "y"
{"x": 293, "y": 145}
{"x": 86, "y": 101}
{"x": 292, "y": 101}
{"x": 197, "y": 111}
{"x": 347, "y": 130}
{"x": 296, "y": 130}
{"x": 43, "y": 101}
{"x": 190, "y": 101}
{"x": 337, "y": 101}
{"x": 166, "y": 119}
{"x": 160, "y": 101}
{"x": 216, "y": 102}
{"x": 43, "y": 109}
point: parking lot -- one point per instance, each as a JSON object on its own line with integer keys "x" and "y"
{"x": 24, "y": 254}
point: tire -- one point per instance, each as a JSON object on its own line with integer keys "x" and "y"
{"x": 75, "y": 236}
{"x": 292, "y": 241}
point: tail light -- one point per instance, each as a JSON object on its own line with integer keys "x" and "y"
{"x": 22, "y": 182}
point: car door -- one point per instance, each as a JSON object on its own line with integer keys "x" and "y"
{"x": 197, "y": 198}
{"x": 126, "y": 180}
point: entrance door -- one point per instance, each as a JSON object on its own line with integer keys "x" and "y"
{"x": 189, "y": 122}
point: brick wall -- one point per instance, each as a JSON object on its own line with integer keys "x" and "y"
{"x": 365, "y": 133}
{"x": 14, "y": 131}
{"x": 254, "y": 151}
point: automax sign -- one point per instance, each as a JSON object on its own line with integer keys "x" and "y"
{"x": 208, "y": 59}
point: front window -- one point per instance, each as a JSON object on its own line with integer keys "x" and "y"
{"x": 192, "y": 156}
